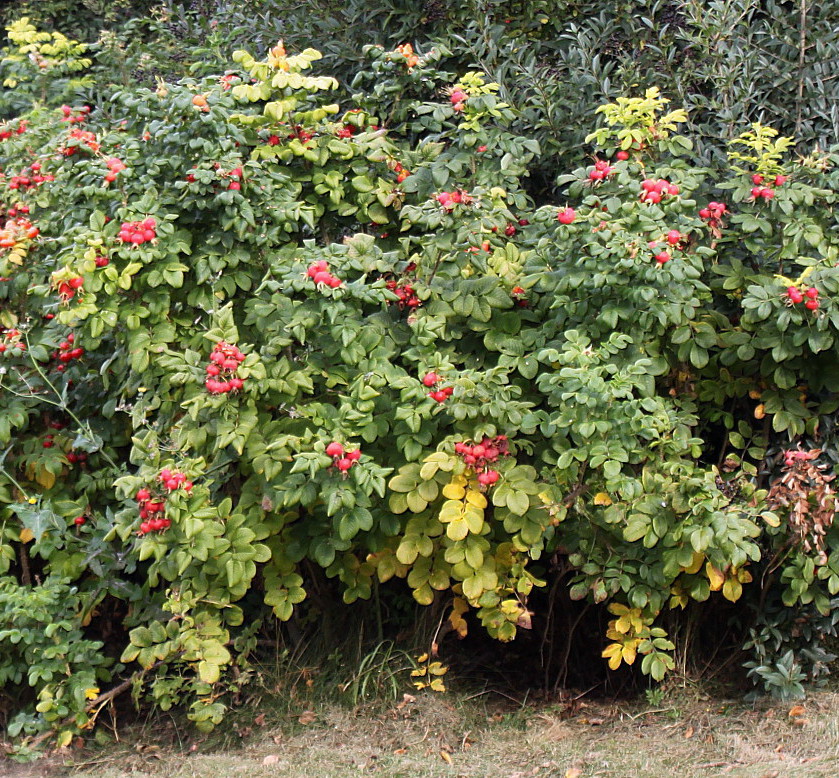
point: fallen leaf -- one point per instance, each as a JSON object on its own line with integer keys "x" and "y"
{"x": 307, "y": 717}
{"x": 401, "y": 751}
{"x": 446, "y": 757}
{"x": 689, "y": 733}
{"x": 271, "y": 759}
{"x": 795, "y": 711}
{"x": 573, "y": 772}
{"x": 260, "y": 720}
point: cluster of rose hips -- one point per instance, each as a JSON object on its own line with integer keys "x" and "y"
{"x": 713, "y": 213}
{"x": 138, "y": 232}
{"x": 673, "y": 238}
{"x": 401, "y": 172}
{"x": 222, "y": 371}
{"x": 16, "y": 231}
{"x": 49, "y": 441}
{"x": 76, "y": 459}
{"x": 152, "y": 508}
{"x": 81, "y": 114}
{"x": 341, "y": 459}
{"x": 77, "y": 138}
{"x": 765, "y": 192}
{"x": 27, "y": 180}
{"x": 566, "y": 216}
{"x": 458, "y": 99}
{"x": 236, "y": 176}
{"x": 450, "y": 199}
{"x": 67, "y": 289}
{"x": 115, "y": 165}
{"x": 602, "y": 170}
{"x": 101, "y": 261}
{"x": 405, "y": 292}
{"x": 6, "y": 133}
{"x": 319, "y": 273}
{"x": 200, "y": 102}
{"x": 478, "y": 456}
{"x": 653, "y": 191}
{"x": 345, "y": 131}
{"x": 17, "y": 209}
{"x": 66, "y": 352}
{"x": 810, "y": 297}
{"x": 430, "y": 380}
{"x": 12, "y": 343}
{"x": 304, "y": 136}
{"x": 518, "y": 295}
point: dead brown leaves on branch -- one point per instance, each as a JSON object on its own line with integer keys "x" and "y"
{"x": 805, "y": 489}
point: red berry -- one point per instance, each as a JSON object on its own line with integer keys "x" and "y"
{"x": 145, "y": 528}
{"x": 47, "y": 444}
{"x": 673, "y": 237}
{"x": 510, "y": 230}
{"x": 812, "y": 305}
{"x": 429, "y": 379}
{"x": 780, "y": 180}
{"x": 812, "y": 293}
{"x": 566, "y": 216}
{"x": 438, "y": 396}
{"x": 622, "y": 155}
{"x": 704, "y": 213}
{"x": 335, "y": 449}
{"x": 344, "y": 464}
{"x": 662, "y": 257}
{"x": 767, "y": 194}
{"x": 322, "y": 278}
{"x": 187, "y": 486}
{"x": 757, "y": 178}
{"x": 488, "y": 478}
{"x": 354, "y": 455}
{"x": 235, "y": 186}
{"x": 172, "y": 484}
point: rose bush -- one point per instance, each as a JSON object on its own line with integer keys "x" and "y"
{"x": 248, "y": 330}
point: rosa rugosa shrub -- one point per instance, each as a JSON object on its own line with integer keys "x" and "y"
{"x": 280, "y": 334}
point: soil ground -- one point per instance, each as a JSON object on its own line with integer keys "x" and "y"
{"x": 484, "y": 736}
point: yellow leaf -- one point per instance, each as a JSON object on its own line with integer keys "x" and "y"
{"x": 695, "y": 563}
{"x": 446, "y": 757}
{"x": 26, "y": 535}
{"x": 475, "y": 498}
{"x": 45, "y": 478}
{"x": 744, "y": 576}
{"x": 459, "y": 607}
{"x": 715, "y": 577}
{"x": 617, "y": 608}
{"x": 451, "y": 510}
{"x": 92, "y": 693}
{"x": 601, "y": 498}
{"x": 628, "y": 653}
{"x": 423, "y": 658}
{"x": 732, "y": 589}
{"x": 454, "y": 491}
{"x": 573, "y": 772}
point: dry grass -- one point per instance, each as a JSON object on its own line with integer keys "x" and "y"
{"x": 435, "y": 737}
